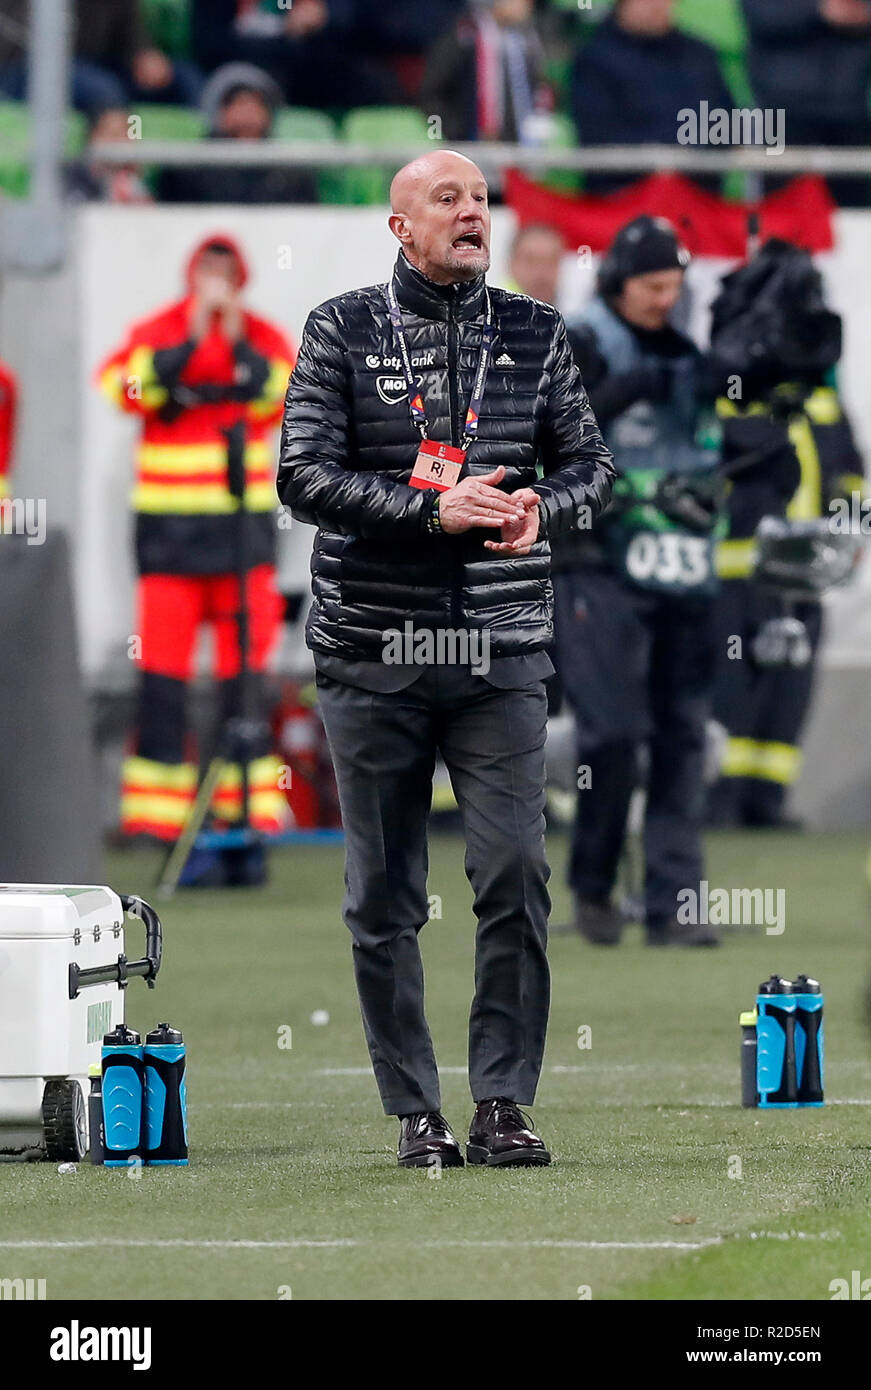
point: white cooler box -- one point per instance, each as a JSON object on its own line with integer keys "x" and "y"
{"x": 63, "y": 973}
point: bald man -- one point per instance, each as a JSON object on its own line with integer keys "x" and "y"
{"x": 438, "y": 435}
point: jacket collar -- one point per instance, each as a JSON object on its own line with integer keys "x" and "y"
{"x": 423, "y": 296}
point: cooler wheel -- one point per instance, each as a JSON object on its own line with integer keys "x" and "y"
{"x": 64, "y": 1121}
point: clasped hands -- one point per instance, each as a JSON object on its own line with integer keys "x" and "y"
{"x": 477, "y": 501}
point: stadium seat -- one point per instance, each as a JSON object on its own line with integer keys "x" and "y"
{"x": 564, "y": 137}
{"x": 168, "y": 24}
{"x": 376, "y": 125}
{"x": 306, "y": 123}
{"x": 15, "y": 139}
{"x": 170, "y": 122}
{"x": 14, "y": 132}
{"x": 722, "y": 25}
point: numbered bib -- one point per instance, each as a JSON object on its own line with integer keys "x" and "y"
{"x": 670, "y": 561}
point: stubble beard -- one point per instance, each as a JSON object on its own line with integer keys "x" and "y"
{"x": 463, "y": 269}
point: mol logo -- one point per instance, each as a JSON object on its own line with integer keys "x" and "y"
{"x": 99, "y": 1020}
{"x": 24, "y": 1289}
{"x": 392, "y": 389}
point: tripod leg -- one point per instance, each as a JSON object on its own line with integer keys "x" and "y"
{"x": 175, "y": 861}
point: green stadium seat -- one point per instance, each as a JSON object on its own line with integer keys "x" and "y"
{"x": 168, "y": 24}
{"x": 304, "y": 123}
{"x": 564, "y": 137}
{"x": 376, "y": 125}
{"x": 14, "y": 135}
{"x": 719, "y": 22}
{"x": 170, "y": 122}
{"x": 15, "y": 139}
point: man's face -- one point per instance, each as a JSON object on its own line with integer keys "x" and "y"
{"x": 535, "y": 264}
{"x": 446, "y": 229}
{"x": 650, "y": 17}
{"x": 245, "y": 117}
{"x": 647, "y": 300}
{"x": 214, "y": 269}
{"x": 110, "y": 125}
{"x": 510, "y": 13}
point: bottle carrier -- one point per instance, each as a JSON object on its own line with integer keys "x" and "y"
{"x": 63, "y": 977}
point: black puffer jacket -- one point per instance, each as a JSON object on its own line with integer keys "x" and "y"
{"x": 348, "y": 448}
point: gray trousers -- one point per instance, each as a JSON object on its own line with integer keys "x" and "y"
{"x": 384, "y": 746}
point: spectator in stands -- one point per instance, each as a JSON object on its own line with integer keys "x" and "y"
{"x": 813, "y": 59}
{"x": 484, "y": 77}
{"x": 239, "y": 103}
{"x": 401, "y": 33}
{"x": 534, "y": 262}
{"x": 114, "y": 61}
{"x": 88, "y": 181}
{"x": 633, "y": 77}
{"x": 307, "y": 48}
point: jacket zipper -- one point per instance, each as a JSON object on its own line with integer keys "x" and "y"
{"x": 454, "y": 411}
{"x": 453, "y": 355}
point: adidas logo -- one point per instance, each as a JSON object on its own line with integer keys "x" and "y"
{"x": 504, "y": 361}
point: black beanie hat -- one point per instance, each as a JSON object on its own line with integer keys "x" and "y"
{"x": 644, "y": 245}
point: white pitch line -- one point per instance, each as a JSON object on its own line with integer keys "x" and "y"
{"x": 175, "y": 1244}
{"x": 543, "y": 1244}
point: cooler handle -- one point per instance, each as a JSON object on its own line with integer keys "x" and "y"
{"x": 122, "y": 969}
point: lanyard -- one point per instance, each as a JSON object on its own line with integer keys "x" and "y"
{"x": 415, "y": 400}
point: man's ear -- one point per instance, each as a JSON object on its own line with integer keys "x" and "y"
{"x": 399, "y": 226}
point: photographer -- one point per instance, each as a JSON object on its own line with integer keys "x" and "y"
{"x": 788, "y": 451}
{"x": 634, "y": 596}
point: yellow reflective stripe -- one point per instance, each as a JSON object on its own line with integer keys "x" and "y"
{"x": 140, "y": 373}
{"x": 274, "y": 388}
{"x": 134, "y": 380}
{"x": 266, "y": 801}
{"x": 764, "y": 759}
{"x": 778, "y": 762}
{"x": 740, "y": 757}
{"x": 111, "y": 383}
{"x": 735, "y": 559}
{"x": 262, "y": 773}
{"x": 155, "y": 808}
{"x": 191, "y": 498}
{"x": 145, "y": 772}
{"x": 806, "y": 501}
{"x": 262, "y": 805}
{"x": 5, "y": 489}
{"x": 727, "y": 409}
{"x": 187, "y": 458}
{"x": 823, "y": 406}
{"x": 848, "y": 483}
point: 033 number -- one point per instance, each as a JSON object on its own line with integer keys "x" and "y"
{"x": 667, "y": 558}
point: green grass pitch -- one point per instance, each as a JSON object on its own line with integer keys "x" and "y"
{"x": 661, "y": 1186}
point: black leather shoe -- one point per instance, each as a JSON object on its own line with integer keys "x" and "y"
{"x": 674, "y": 933}
{"x": 595, "y": 919}
{"x": 598, "y": 920}
{"x": 425, "y": 1139}
{"x": 501, "y": 1134}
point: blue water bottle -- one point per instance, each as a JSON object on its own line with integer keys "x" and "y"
{"x": 166, "y": 1127}
{"x": 775, "y": 1044}
{"x": 122, "y": 1096}
{"x": 809, "y": 1040}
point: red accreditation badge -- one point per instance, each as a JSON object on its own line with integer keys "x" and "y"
{"x": 437, "y": 465}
